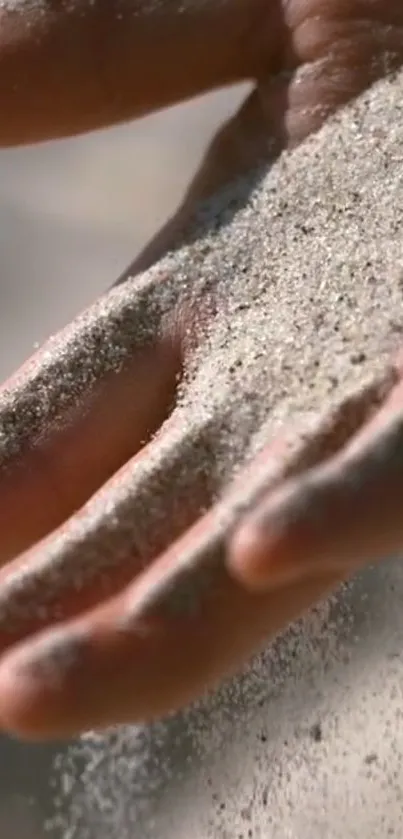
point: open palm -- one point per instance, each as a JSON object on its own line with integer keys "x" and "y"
{"x": 105, "y": 616}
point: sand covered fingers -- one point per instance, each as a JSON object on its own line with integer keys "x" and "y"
{"x": 340, "y": 515}
{"x": 82, "y": 406}
{"x": 121, "y": 529}
{"x": 181, "y": 623}
{"x": 126, "y": 662}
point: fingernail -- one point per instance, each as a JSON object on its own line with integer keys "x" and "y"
{"x": 272, "y": 548}
{"x": 260, "y": 558}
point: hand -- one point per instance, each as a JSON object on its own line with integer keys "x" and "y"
{"x": 102, "y": 494}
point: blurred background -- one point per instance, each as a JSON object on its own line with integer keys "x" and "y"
{"x": 72, "y": 216}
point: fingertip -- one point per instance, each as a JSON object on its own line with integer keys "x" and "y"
{"x": 249, "y": 557}
{"x": 44, "y": 688}
{"x": 272, "y": 548}
{"x": 24, "y": 709}
{"x": 87, "y": 675}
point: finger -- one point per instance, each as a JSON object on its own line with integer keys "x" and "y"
{"x": 74, "y": 67}
{"x": 185, "y": 596}
{"x": 83, "y": 406}
{"x": 131, "y": 662}
{"x": 344, "y": 513}
{"x": 129, "y": 521}
{"x": 336, "y": 51}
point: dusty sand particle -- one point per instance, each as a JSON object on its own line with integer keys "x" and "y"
{"x": 309, "y": 261}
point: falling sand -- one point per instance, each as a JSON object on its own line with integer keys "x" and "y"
{"x": 305, "y": 262}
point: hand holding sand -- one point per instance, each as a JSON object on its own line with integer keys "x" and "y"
{"x": 140, "y": 414}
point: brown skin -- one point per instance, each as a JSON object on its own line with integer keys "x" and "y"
{"x": 64, "y": 72}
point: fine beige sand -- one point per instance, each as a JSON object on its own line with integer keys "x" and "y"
{"x": 307, "y": 262}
